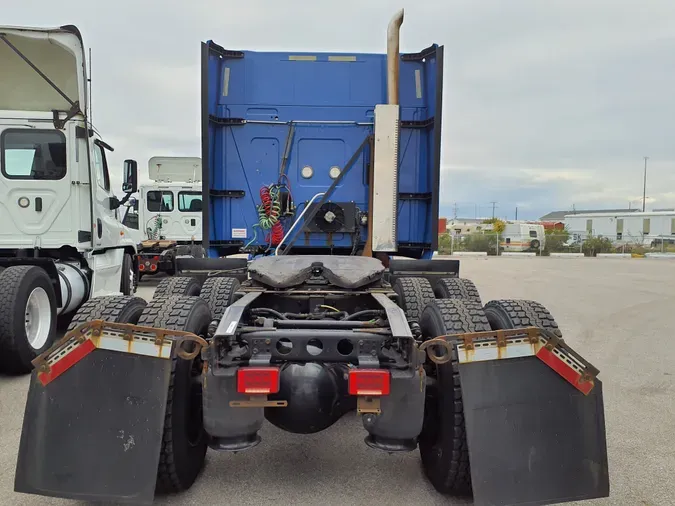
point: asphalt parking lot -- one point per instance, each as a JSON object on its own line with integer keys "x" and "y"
{"x": 616, "y": 313}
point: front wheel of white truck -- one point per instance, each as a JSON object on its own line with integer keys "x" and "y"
{"x": 27, "y": 317}
{"x": 128, "y": 282}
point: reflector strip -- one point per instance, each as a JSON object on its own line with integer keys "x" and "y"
{"x": 119, "y": 337}
{"x": 567, "y": 372}
{"x": 71, "y": 358}
{"x": 137, "y": 347}
{"x": 528, "y": 342}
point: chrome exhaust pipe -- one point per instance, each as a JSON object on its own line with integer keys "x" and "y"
{"x": 393, "y": 37}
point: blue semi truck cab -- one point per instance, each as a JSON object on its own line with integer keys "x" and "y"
{"x": 293, "y": 125}
{"x": 324, "y": 168}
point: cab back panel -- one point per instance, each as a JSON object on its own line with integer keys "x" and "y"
{"x": 249, "y": 101}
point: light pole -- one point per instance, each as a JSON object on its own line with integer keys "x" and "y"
{"x": 644, "y": 186}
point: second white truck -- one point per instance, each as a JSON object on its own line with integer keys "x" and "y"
{"x": 167, "y": 215}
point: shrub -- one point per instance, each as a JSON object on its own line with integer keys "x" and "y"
{"x": 594, "y": 245}
{"x": 444, "y": 244}
{"x": 555, "y": 241}
{"x": 478, "y": 242}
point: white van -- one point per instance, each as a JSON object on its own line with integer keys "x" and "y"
{"x": 521, "y": 236}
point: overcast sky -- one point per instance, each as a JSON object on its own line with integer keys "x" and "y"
{"x": 547, "y": 104}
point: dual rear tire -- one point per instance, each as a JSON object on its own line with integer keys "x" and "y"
{"x": 184, "y": 440}
{"x": 456, "y": 309}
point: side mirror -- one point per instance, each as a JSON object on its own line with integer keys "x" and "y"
{"x": 130, "y": 184}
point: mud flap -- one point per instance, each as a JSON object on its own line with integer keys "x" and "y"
{"x": 533, "y": 437}
{"x": 95, "y": 432}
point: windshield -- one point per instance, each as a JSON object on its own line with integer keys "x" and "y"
{"x": 160, "y": 201}
{"x": 190, "y": 202}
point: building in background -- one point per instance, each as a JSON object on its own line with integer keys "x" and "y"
{"x": 442, "y": 225}
{"x": 462, "y": 226}
{"x": 553, "y": 225}
{"x": 559, "y": 216}
{"x": 648, "y": 228}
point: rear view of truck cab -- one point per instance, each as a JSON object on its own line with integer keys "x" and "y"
{"x": 169, "y": 211}
{"x": 324, "y": 168}
{"x": 56, "y": 202}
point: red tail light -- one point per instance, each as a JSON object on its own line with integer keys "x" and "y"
{"x": 153, "y": 267}
{"x": 369, "y": 382}
{"x": 141, "y": 267}
{"x": 155, "y": 258}
{"x": 258, "y": 380}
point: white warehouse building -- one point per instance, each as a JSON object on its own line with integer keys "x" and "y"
{"x": 635, "y": 227}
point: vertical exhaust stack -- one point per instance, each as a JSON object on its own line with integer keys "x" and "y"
{"x": 393, "y": 45}
{"x": 384, "y": 184}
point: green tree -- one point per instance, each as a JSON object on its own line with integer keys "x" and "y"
{"x": 444, "y": 244}
{"x": 555, "y": 240}
{"x": 497, "y": 225}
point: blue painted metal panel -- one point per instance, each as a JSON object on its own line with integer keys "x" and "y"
{"x": 330, "y": 100}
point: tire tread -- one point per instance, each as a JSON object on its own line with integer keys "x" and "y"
{"x": 453, "y": 476}
{"x": 108, "y": 308}
{"x": 171, "y": 313}
{"x": 416, "y": 294}
{"x": 177, "y": 285}
{"x": 457, "y": 288}
{"x": 218, "y": 292}
{"x": 10, "y": 283}
{"x": 524, "y": 313}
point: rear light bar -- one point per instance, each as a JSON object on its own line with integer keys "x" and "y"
{"x": 370, "y": 382}
{"x": 258, "y": 380}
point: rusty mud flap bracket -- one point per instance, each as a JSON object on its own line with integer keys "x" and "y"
{"x": 534, "y": 418}
{"x": 94, "y": 416}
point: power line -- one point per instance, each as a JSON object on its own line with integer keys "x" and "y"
{"x": 644, "y": 186}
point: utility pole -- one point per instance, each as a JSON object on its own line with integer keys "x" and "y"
{"x": 644, "y": 186}
{"x": 455, "y": 211}
{"x": 516, "y": 213}
{"x": 493, "y": 209}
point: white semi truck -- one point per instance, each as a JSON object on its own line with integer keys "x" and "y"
{"x": 61, "y": 242}
{"x": 167, "y": 216}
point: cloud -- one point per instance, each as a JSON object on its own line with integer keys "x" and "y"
{"x": 546, "y": 104}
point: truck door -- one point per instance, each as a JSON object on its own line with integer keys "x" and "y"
{"x": 107, "y": 227}
{"x": 190, "y": 208}
{"x": 35, "y": 187}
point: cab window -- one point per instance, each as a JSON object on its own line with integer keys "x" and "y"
{"x": 190, "y": 202}
{"x": 101, "y": 168}
{"x": 33, "y": 154}
{"x": 131, "y": 216}
{"x": 160, "y": 201}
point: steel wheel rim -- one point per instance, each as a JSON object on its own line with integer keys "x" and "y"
{"x": 38, "y": 318}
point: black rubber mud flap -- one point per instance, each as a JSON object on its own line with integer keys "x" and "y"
{"x": 533, "y": 438}
{"x": 95, "y": 432}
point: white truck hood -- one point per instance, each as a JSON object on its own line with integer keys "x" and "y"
{"x": 57, "y": 52}
{"x": 185, "y": 169}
